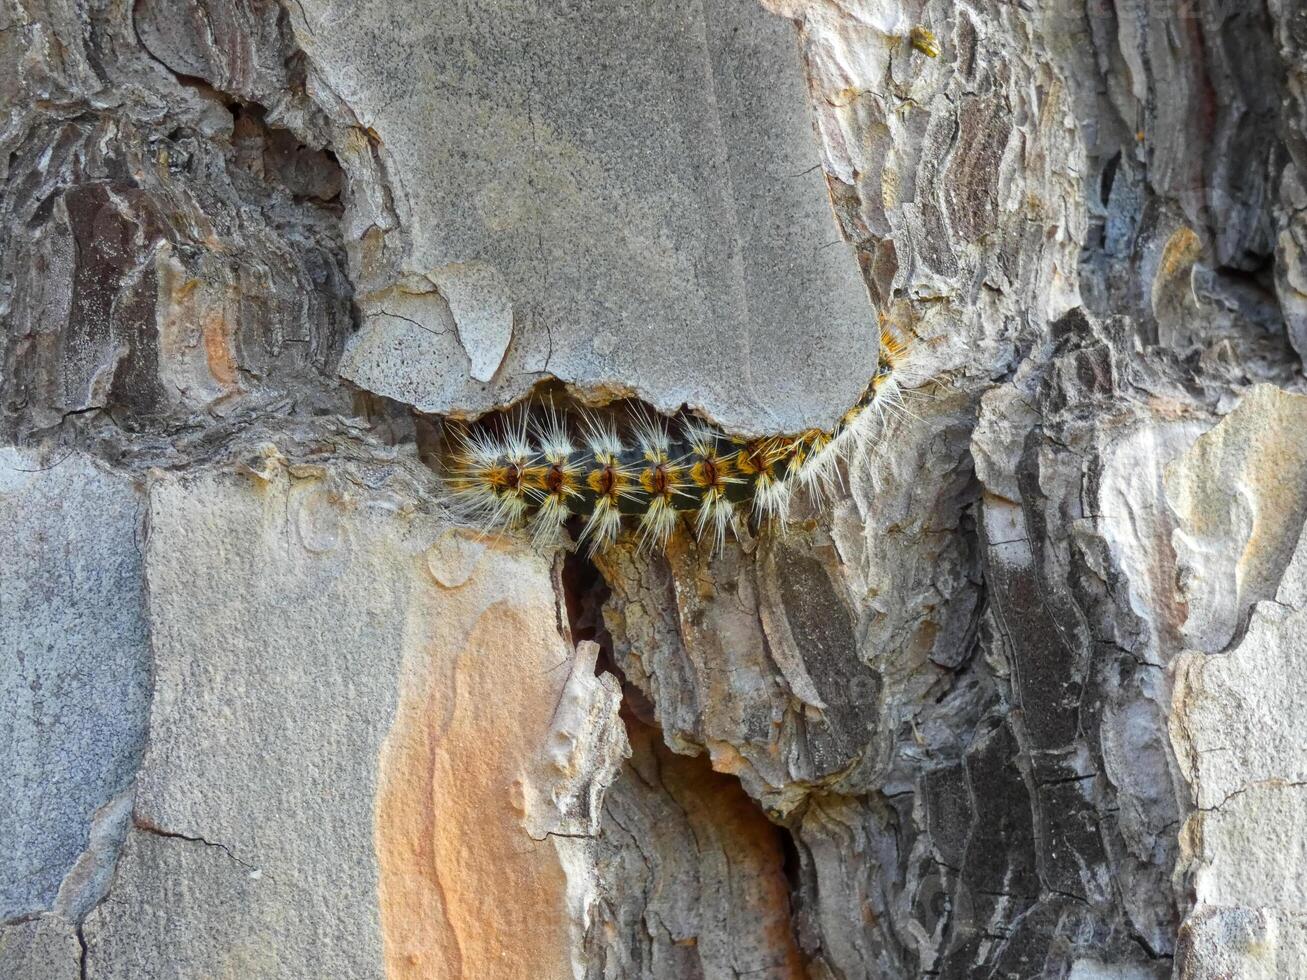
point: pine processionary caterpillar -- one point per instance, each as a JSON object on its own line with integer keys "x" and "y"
{"x": 540, "y": 467}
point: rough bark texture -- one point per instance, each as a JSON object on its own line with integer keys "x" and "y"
{"x": 1022, "y": 700}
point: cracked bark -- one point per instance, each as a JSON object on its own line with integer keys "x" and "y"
{"x": 1017, "y": 701}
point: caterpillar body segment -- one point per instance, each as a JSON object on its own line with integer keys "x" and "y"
{"x": 541, "y": 468}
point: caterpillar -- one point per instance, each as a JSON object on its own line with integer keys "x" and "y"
{"x": 541, "y": 468}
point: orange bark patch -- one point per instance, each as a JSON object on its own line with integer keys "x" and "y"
{"x": 217, "y": 347}
{"x": 464, "y": 891}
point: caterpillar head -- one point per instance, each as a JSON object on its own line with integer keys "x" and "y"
{"x": 892, "y": 353}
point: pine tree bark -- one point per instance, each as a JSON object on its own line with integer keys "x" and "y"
{"x": 1017, "y": 699}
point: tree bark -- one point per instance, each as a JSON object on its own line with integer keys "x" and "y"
{"x": 1017, "y": 698}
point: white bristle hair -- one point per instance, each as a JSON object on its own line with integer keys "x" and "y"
{"x": 656, "y": 525}
{"x": 716, "y": 514}
{"x": 480, "y": 446}
{"x": 517, "y": 437}
{"x": 601, "y": 436}
{"x": 472, "y": 497}
{"x": 816, "y": 475}
{"x": 652, "y": 436}
{"x": 602, "y": 526}
{"x": 891, "y": 400}
{"x": 771, "y": 498}
{"x": 547, "y": 525}
{"x": 852, "y": 443}
{"x": 821, "y": 475}
{"x": 550, "y": 430}
{"x": 702, "y": 437}
{"x": 489, "y": 510}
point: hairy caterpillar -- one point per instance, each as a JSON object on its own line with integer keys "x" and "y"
{"x": 540, "y": 467}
